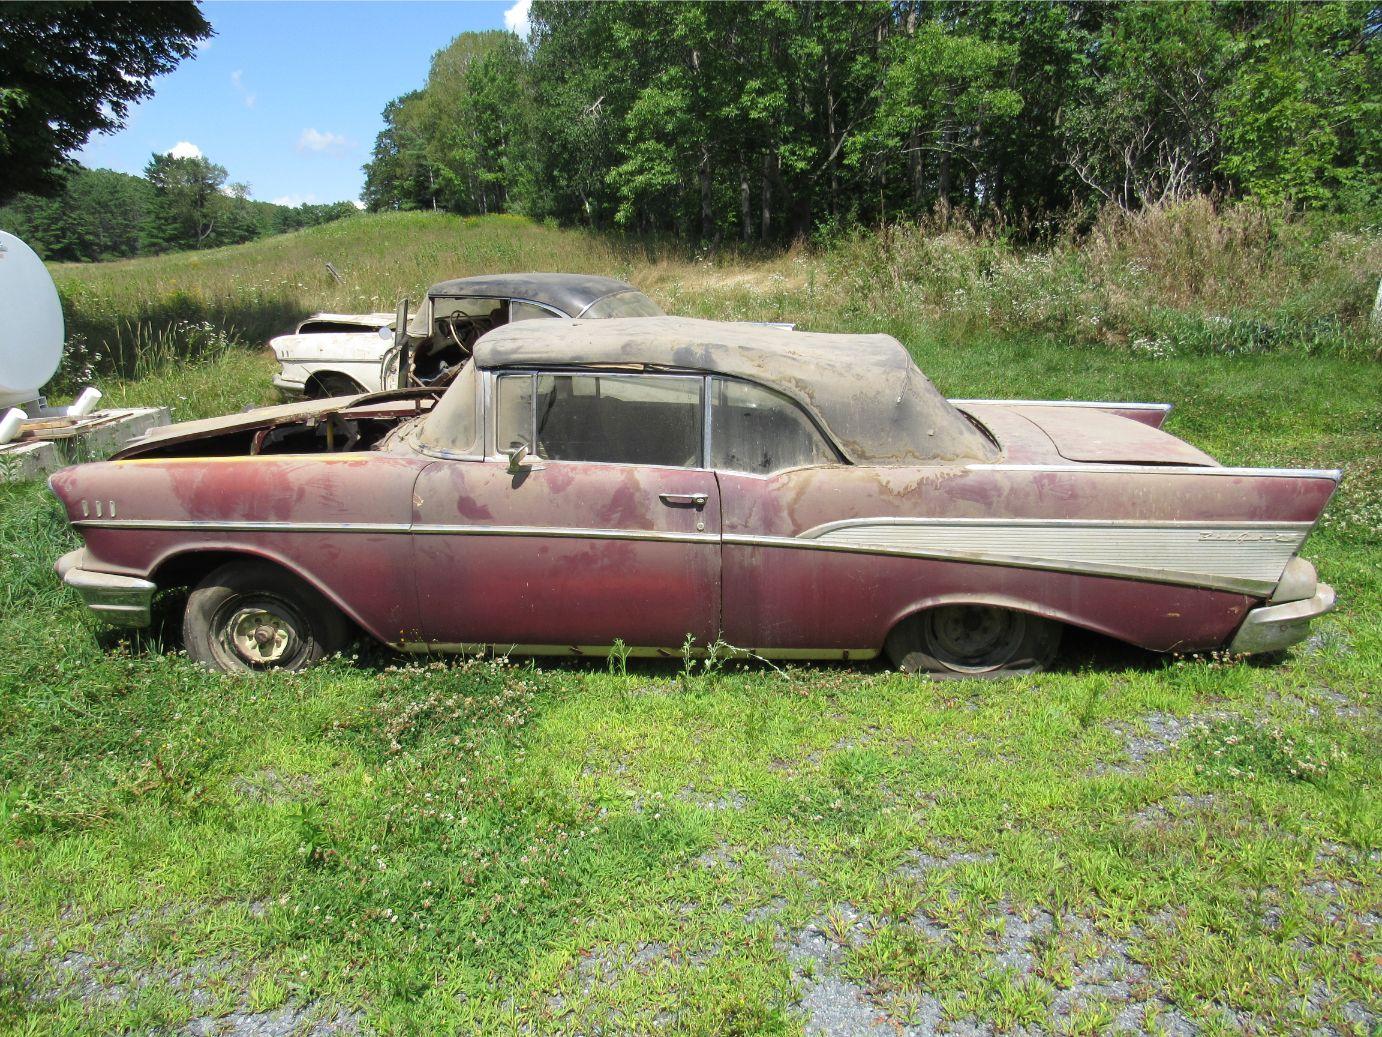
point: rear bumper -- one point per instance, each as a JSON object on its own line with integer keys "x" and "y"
{"x": 122, "y": 601}
{"x": 1274, "y": 627}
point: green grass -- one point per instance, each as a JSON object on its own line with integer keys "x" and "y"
{"x": 436, "y": 847}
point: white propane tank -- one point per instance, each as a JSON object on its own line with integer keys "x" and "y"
{"x": 31, "y": 330}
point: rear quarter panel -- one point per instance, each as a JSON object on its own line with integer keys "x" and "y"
{"x": 848, "y": 591}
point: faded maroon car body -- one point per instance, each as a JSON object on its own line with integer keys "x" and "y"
{"x": 435, "y": 552}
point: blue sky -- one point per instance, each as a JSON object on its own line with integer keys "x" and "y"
{"x": 287, "y": 96}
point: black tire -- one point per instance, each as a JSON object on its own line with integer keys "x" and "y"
{"x": 973, "y": 641}
{"x": 249, "y": 616}
{"x": 325, "y": 386}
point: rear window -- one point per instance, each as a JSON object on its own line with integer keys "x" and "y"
{"x": 753, "y": 429}
{"x": 623, "y": 304}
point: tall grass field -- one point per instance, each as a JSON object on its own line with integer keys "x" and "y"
{"x": 395, "y": 846}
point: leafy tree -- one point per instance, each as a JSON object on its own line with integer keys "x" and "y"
{"x": 98, "y": 215}
{"x": 1302, "y": 115}
{"x": 775, "y": 118}
{"x": 1144, "y": 128}
{"x": 945, "y": 92}
{"x": 68, "y": 69}
{"x": 188, "y": 202}
{"x": 400, "y": 175}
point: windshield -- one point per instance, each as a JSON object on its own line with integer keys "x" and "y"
{"x": 623, "y": 304}
{"x": 453, "y": 425}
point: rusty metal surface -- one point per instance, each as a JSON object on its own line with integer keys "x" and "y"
{"x": 368, "y": 574}
{"x": 562, "y": 589}
{"x": 1084, "y": 435}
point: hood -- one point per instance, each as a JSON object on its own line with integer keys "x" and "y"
{"x": 1093, "y": 436}
{"x": 183, "y": 431}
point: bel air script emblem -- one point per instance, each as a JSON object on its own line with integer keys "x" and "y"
{"x": 1245, "y": 537}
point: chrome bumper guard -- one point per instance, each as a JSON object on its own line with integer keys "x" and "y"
{"x": 1274, "y": 627}
{"x": 122, "y": 601}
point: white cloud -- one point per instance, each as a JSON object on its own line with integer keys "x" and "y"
{"x": 315, "y": 141}
{"x": 184, "y": 149}
{"x": 358, "y": 204}
{"x": 237, "y": 80}
{"x": 203, "y": 45}
{"x": 294, "y": 200}
{"x": 516, "y": 17}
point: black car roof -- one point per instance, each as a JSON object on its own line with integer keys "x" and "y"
{"x": 570, "y": 293}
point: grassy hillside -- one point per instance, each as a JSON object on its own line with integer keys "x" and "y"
{"x": 1166, "y": 845}
{"x": 1180, "y": 280}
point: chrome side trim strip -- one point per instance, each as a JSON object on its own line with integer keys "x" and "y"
{"x": 246, "y": 526}
{"x": 568, "y": 531}
{"x": 1247, "y": 525}
{"x": 1163, "y": 469}
{"x": 1165, "y": 408}
{"x": 371, "y": 362}
{"x": 401, "y": 527}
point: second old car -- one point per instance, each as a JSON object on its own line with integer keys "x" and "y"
{"x": 799, "y": 496}
{"x": 341, "y": 354}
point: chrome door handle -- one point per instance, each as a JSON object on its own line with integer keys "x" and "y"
{"x": 694, "y": 499}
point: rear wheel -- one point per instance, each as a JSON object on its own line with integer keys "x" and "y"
{"x": 250, "y": 616}
{"x": 973, "y": 641}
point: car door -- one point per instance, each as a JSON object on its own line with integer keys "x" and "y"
{"x": 777, "y": 473}
{"x": 609, "y": 529}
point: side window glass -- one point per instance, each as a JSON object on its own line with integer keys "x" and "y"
{"x": 527, "y": 311}
{"x": 619, "y": 419}
{"x": 755, "y": 430}
{"x": 513, "y": 400}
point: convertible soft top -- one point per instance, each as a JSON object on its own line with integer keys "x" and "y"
{"x": 864, "y": 389}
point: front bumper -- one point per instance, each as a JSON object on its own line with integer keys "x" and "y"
{"x": 122, "y": 601}
{"x": 1274, "y": 627}
{"x": 289, "y": 389}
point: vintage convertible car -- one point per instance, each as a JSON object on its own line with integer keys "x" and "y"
{"x": 341, "y": 354}
{"x": 798, "y": 496}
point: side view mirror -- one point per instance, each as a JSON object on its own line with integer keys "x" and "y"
{"x": 386, "y": 333}
{"x": 519, "y": 461}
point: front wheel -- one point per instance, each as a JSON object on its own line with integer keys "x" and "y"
{"x": 248, "y": 616}
{"x": 973, "y": 641}
{"x": 328, "y": 386}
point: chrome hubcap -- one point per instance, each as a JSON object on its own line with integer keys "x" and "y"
{"x": 260, "y": 636}
{"x": 976, "y": 637}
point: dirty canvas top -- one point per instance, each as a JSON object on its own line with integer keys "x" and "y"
{"x": 864, "y": 389}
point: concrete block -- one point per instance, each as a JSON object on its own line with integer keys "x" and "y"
{"x": 92, "y": 438}
{"x": 27, "y": 460}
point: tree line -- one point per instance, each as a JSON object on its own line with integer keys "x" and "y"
{"x": 776, "y": 118}
{"x": 179, "y": 203}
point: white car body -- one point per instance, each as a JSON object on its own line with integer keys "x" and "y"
{"x": 326, "y": 356}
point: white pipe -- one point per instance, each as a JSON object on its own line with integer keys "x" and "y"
{"x": 85, "y": 403}
{"x": 11, "y": 423}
